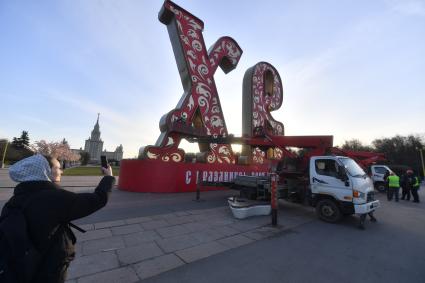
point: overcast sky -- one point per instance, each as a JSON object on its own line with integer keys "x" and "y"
{"x": 352, "y": 69}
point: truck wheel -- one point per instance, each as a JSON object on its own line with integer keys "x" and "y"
{"x": 328, "y": 211}
{"x": 380, "y": 187}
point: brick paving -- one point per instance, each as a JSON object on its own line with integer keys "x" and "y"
{"x": 134, "y": 249}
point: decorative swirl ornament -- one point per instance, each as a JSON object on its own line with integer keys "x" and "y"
{"x": 197, "y": 45}
{"x": 211, "y": 158}
{"x": 152, "y": 155}
{"x": 176, "y": 157}
{"x": 278, "y": 153}
{"x": 258, "y": 156}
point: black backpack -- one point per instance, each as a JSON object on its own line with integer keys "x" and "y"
{"x": 19, "y": 259}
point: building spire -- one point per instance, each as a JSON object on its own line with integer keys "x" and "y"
{"x": 95, "y": 134}
{"x": 96, "y": 126}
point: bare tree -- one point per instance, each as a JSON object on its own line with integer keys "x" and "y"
{"x": 402, "y": 149}
{"x": 356, "y": 145}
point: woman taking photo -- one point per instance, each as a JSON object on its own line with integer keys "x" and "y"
{"x": 48, "y": 210}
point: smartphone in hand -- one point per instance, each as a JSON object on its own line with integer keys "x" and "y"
{"x": 104, "y": 161}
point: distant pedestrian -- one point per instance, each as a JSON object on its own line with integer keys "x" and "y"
{"x": 393, "y": 186}
{"x": 48, "y": 210}
{"x": 406, "y": 185}
{"x": 387, "y": 173}
{"x": 415, "y": 187}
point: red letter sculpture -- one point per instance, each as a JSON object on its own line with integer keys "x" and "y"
{"x": 262, "y": 93}
{"x": 198, "y": 112}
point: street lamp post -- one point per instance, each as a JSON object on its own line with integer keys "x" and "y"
{"x": 422, "y": 160}
{"x": 4, "y": 153}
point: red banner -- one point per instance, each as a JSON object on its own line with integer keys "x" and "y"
{"x": 169, "y": 177}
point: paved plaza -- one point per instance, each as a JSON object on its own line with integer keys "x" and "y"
{"x": 138, "y": 248}
{"x": 171, "y": 238}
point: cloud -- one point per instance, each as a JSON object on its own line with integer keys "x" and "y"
{"x": 408, "y": 7}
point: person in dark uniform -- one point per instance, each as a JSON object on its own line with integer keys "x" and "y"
{"x": 415, "y": 187}
{"x": 405, "y": 184}
{"x": 387, "y": 173}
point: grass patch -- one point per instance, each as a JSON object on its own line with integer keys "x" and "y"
{"x": 88, "y": 171}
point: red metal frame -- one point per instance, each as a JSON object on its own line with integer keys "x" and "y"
{"x": 363, "y": 158}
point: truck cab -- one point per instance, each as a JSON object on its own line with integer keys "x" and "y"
{"x": 339, "y": 186}
{"x": 377, "y": 173}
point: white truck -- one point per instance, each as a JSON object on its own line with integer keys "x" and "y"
{"x": 334, "y": 185}
{"x": 339, "y": 186}
{"x": 377, "y": 173}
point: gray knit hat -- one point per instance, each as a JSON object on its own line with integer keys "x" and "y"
{"x": 34, "y": 168}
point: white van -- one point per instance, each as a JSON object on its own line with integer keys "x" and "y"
{"x": 377, "y": 173}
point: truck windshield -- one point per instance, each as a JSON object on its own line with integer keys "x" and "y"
{"x": 352, "y": 167}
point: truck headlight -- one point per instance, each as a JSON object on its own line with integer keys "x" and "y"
{"x": 358, "y": 194}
